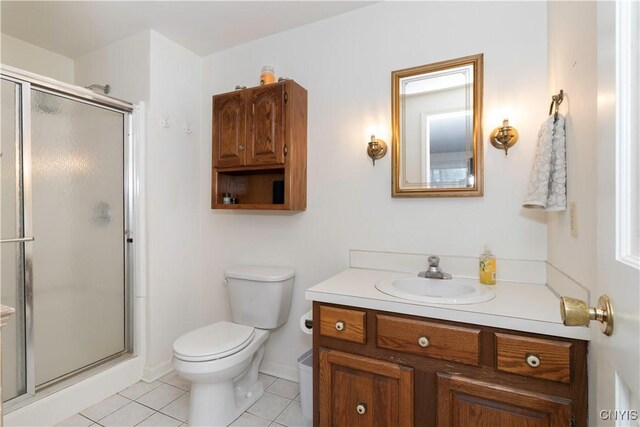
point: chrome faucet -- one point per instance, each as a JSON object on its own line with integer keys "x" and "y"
{"x": 434, "y": 272}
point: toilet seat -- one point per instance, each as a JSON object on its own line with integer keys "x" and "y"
{"x": 213, "y": 342}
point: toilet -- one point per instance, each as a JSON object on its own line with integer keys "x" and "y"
{"x": 222, "y": 359}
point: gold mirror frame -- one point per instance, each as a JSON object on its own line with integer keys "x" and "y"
{"x": 478, "y": 163}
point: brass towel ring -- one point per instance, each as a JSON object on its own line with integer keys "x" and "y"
{"x": 556, "y": 100}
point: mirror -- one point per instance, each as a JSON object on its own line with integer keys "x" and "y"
{"x": 436, "y": 115}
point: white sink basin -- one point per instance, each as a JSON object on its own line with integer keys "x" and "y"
{"x": 439, "y": 291}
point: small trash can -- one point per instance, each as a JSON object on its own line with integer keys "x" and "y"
{"x": 305, "y": 370}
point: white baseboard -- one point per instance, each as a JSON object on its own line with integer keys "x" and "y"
{"x": 151, "y": 374}
{"x": 279, "y": 370}
{"x": 59, "y": 406}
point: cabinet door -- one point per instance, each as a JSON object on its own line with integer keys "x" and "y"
{"x": 466, "y": 402}
{"x": 229, "y": 145}
{"x": 265, "y": 125}
{"x": 356, "y": 391}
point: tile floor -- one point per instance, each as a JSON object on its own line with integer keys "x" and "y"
{"x": 165, "y": 403}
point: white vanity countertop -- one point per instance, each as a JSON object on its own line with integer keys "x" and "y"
{"x": 523, "y": 307}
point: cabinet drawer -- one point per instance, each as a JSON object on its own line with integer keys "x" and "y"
{"x": 454, "y": 343}
{"x": 344, "y": 324}
{"x": 534, "y": 357}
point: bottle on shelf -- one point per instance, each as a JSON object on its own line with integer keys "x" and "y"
{"x": 267, "y": 76}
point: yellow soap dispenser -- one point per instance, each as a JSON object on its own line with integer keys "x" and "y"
{"x": 487, "y": 273}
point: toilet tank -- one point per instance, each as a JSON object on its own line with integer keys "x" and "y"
{"x": 260, "y": 296}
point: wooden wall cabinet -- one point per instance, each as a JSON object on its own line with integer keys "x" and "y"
{"x": 409, "y": 370}
{"x": 259, "y": 135}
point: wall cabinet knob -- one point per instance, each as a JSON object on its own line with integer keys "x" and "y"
{"x": 423, "y": 342}
{"x": 340, "y": 325}
{"x": 361, "y": 408}
{"x": 241, "y": 147}
{"x": 533, "y": 360}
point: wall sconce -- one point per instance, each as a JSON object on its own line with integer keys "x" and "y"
{"x": 504, "y": 137}
{"x": 376, "y": 149}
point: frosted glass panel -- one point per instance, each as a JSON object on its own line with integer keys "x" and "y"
{"x": 13, "y": 338}
{"x": 78, "y": 256}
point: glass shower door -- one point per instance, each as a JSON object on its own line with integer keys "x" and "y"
{"x": 78, "y": 210}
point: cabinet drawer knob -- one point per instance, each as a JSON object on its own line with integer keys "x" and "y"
{"x": 361, "y": 408}
{"x": 533, "y": 360}
{"x": 241, "y": 147}
{"x": 340, "y": 325}
{"x": 423, "y": 342}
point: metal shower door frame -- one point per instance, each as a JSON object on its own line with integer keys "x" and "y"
{"x": 27, "y": 83}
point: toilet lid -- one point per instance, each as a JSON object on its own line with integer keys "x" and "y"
{"x": 213, "y": 341}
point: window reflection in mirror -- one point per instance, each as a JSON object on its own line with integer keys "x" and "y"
{"x": 436, "y": 116}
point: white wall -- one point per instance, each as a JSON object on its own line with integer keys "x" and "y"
{"x": 29, "y": 57}
{"x": 345, "y": 63}
{"x": 178, "y": 299}
{"x": 123, "y": 65}
{"x": 573, "y": 68}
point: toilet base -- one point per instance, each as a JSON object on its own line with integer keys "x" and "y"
{"x": 222, "y": 389}
{"x": 209, "y": 403}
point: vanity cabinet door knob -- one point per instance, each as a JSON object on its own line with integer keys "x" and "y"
{"x": 361, "y": 408}
{"x": 533, "y": 360}
{"x": 241, "y": 147}
{"x": 423, "y": 342}
{"x": 340, "y": 325}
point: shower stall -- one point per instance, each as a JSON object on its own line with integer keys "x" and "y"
{"x": 65, "y": 208}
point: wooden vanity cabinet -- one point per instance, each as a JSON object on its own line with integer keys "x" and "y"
{"x": 463, "y": 401}
{"x": 360, "y": 391}
{"x": 441, "y": 373}
{"x": 259, "y": 135}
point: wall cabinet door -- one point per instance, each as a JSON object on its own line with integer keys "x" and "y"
{"x": 467, "y": 402}
{"x": 357, "y": 391}
{"x": 229, "y": 146}
{"x": 265, "y": 125}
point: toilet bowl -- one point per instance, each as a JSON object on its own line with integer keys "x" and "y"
{"x": 221, "y": 360}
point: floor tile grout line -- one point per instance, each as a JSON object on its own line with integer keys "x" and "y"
{"x": 87, "y": 418}
{"x": 146, "y": 418}
{"x": 170, "y": 416}
{"x": 283, "y": 409}
{"x": 120, "y": 392}
{"x": 159, "y": 410}
{"x": 140, "y": 397}
{"x": 96, "y": 421}
{"x": 174, "y": 418}
{"x": 161, "y": 413}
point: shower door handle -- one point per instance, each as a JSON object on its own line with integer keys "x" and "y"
{"x": 18, "y": 240}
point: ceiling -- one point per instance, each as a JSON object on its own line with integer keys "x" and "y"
{"x": 73, "y": 28}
